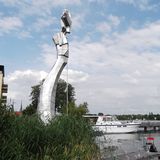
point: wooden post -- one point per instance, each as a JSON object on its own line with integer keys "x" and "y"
{"x": 145, "y": 128}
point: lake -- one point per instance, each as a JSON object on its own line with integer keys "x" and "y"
{"x": 128, "y": 146}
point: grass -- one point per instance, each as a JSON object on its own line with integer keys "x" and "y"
{"x": 64, "y": 138}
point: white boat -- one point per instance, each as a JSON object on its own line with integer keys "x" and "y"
{"x": 110, "y": 124}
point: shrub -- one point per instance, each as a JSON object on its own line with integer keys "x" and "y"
{"x": 64, "y": 138}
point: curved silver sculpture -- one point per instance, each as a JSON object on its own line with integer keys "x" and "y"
{"x": 46, "y": 106}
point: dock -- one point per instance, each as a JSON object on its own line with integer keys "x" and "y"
{"x": 150, "y": 125}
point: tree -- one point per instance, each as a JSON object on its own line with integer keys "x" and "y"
{"x": 83, "y": 108}
{"x": 6, "y": 117}
{"x": 61, "y": 97}
{"x": 79, "y": 110}
{"x": 30, "y": 109}
{"x": 100, "y": 114}
{"x": 35, "y": 92}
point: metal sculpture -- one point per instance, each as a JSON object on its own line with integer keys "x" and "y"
{"x": 46, "y": 106}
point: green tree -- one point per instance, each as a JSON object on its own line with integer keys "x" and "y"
{"x": 30, "y": 109}
{"x": 35, "y": 92}
{"x": 77, "y": 110}
{"x": 83, "y": 108}
{"x": 61, "y": 97}
{"x": 6, "y": 116}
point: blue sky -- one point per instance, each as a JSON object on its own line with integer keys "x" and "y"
{"x": 114, "y": 61}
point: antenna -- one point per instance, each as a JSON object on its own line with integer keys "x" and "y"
{"x": 21, "y": 107}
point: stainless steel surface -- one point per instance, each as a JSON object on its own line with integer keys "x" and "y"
{"x": 46, "y": 106}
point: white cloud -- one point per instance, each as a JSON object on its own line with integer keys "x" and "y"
{"x": 141, "y": 4}
{"x": 74, "y": 76}
{"x": 48, "y": 55}
{"x": 20, "y": 83}
{"x": 130, "y": 79}
{"x": 10, "y": 2}
{"x": 103, "y": 27}
{"x": 77, "y": 21}
{"x": 123, "y": 70}
{"x": 118, "y": 75}
{"x": 42, "y": 23}
{"x": 110, "y": 23}
{"x": 27, "y": 73}
{"x": 115, "y": 21}
{"x": 42, "y": 13}
{"x": 40, "y": 7}
{"x": 24, "y": 34}
{"x": 142, "y": 39}
{"x": 98, "y": 1}
{"x": 8, "y": 24}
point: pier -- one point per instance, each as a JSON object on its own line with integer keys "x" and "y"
{"x": 150, "y": 125}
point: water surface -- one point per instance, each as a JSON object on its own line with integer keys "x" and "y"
{"x": 116, "y": 145}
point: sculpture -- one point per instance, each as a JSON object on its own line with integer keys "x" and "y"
{"x": 46, "y": 106}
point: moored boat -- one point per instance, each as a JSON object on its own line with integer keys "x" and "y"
{"x": 110, "y": 124}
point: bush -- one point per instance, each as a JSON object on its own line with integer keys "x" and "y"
{"x": 6, "y": 116}
{"x": 74, "y": 137}
{"x": 64, "y": 138}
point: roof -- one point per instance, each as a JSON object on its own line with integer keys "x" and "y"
{"x": 2, "y": 69}
{"x": 17, "y": 113}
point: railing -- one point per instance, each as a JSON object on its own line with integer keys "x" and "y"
{"x": 4, "y": 88}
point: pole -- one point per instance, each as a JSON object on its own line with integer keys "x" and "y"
{"x": 67, "y": 90}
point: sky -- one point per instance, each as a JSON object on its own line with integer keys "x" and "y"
{"x": 114, "y": 53}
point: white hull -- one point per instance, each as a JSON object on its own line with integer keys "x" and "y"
{"x": 127, "y": 128}
{"x": 110, "y": 124}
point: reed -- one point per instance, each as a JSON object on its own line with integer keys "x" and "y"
{"x": 64, "y": 138}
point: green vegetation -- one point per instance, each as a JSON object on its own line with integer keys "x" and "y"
{"x": 149, "y": 116}
{"x": 61, "y": 95}
{"x": 61, "y": 98}
{"x": 64, "y": 138}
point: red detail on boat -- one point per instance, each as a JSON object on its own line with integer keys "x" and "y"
{"x": 150, "y": 138}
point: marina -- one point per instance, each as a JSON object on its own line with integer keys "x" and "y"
{"x": 130, "y": 140}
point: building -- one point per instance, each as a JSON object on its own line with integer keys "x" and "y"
{"x": 3, "y": 87}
